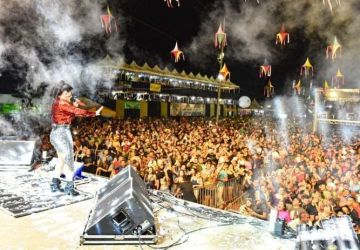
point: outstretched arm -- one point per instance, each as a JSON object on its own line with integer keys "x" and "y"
{"x": 76, "y": 111}
{"x": 80, "y": 112}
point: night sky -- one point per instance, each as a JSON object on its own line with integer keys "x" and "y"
{"x": 154, "y": 28}
{"x": 149, "y": 30}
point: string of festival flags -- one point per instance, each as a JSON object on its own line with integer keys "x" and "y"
{"x": 333, "y": 51}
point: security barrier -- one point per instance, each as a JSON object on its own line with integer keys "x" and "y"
{"x": 234, "y": 205}
{"x": 207, "y": 195}
{"x": 219, "y": 195}
{"x": 225, "y": 195}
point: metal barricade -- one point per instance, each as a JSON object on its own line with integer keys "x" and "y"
{"x": 232, "y": 190}
{"x": 207, "y": 196}
{"x": 234, "y": 205}
{"x": 220, "y": 194}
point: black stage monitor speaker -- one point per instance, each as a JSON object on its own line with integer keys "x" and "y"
{"x": 16, "y": 154}
{"x": 122, "y": 207}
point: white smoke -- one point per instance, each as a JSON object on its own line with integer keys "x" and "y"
{"x": 312, "y": 24}
{"x": 46, "y": 41}
{"x": 282, "y": 116}
{"x": 6, "y": 127}
{"x": 251, "y": 29}
{"x": 47, "y": 35}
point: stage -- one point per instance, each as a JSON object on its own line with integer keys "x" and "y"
{"x": 180, "y": 225}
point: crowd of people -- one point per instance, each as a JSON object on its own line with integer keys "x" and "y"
{"x": 307, "y": 177}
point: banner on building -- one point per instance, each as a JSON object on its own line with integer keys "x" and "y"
{"x": 155, "y": 87}
{"x": 132, "y": 105}
{"x": 9, "y": 108}
{"x": 187, "y": 109}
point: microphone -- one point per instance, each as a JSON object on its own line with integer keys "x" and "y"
{"x": 77, "y": 100}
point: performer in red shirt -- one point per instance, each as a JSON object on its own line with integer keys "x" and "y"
{"x": 63, "y": 112}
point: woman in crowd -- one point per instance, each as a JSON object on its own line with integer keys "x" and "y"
{"x": 150, "y": 178}
{"x": 282, "y": 212}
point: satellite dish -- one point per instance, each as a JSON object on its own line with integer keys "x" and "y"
{"x": 244, "y": 102}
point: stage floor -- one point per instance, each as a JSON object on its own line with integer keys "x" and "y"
{"x": 61, "y": 228}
